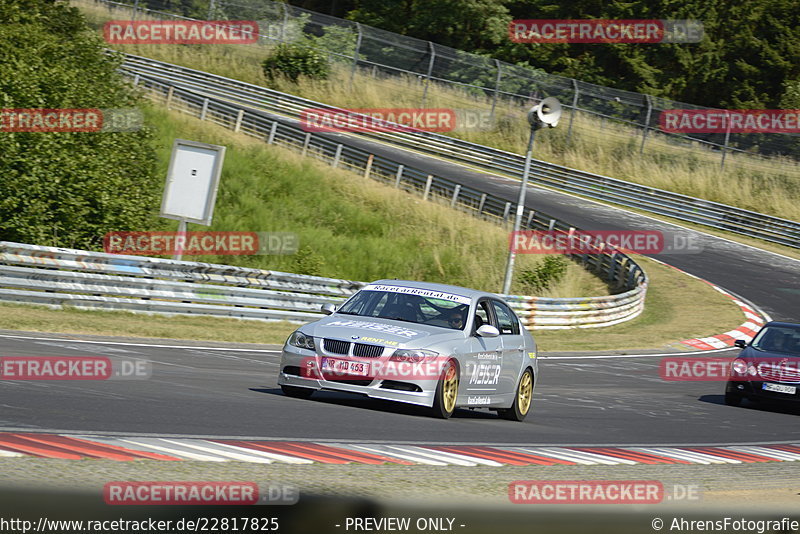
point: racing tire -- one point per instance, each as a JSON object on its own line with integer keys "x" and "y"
{"x": 444, "y": 398}
{"x": 296, "y": 392}
{"x": 732, "y": 399}
{"x": 522, "y": 399}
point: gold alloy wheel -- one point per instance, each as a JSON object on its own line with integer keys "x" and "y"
{"x": 524, "y": 393}
{"x": 450, "y": 388}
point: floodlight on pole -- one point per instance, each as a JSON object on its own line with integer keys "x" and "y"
{"x": 545, "y": 113}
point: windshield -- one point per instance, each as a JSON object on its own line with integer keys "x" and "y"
{"x": 783, "y": 339}
{"x": 424, "y": 307}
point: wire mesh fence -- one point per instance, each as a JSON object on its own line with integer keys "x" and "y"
{"x": 378, "y": 52}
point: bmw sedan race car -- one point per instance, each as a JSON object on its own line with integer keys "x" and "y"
{"x": 768, "y": 368}
{"x": 432, "y": 345}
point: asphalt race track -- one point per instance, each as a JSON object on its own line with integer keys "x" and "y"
{"x": 615, "y": 401}
{"x": 226, "y": 393}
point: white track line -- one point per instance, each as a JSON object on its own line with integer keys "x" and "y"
{"x": 271, "y": 455}
{"x": 136, "y": 344}
{"x": 179, "y": 452}
{"x": 769, "y": 453}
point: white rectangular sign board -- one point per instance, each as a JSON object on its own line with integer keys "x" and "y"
{"x": 192, "y": 181}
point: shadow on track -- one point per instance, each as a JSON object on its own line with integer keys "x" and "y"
{"x": 354, "y": 400}
{"x": 760, "y": 405}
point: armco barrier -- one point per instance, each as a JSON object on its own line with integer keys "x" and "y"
{"x": 209, "y": 88}
{"x": 93, "y": 280}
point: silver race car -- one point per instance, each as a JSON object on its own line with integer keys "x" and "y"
{"x": 433, "y": 345}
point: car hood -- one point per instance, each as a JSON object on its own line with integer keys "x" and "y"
{"x": 755, "y": 354}
{"x": 379, "y": 331}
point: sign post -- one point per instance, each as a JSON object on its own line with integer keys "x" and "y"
{"x": 191, "y": 188}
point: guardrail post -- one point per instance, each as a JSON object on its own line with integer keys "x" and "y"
{"x": 646, "y": 123}
{"x": 136, "y": 79}
{"x": 399, "y": 175}
{"x": 204, "y": 110}
{"x": 427, "y": 81}
{"x": 574, "y": 109}
{"x": 306, "y": 141}
{"x": 622, "y": 269}
{"x": 135, "y": 9}
{"x": 496, "y": 89}
{"x": 368, "y": 168}
{"x": 355, "y": 55}
{"x": 727, "y": 139}
{"x": 272, "y": 131}
{"x": 210, "y": 10}
{"x": 239, "y": 117}
{"x": 456, "y": 191}
{"x": 337, "y": 156}
{"x": 507, "y": 211}
{"x": 169, "y": 95}
{"x": 428, "y": 183}
{"x": 631, "y": 278}
{"x": 482, "y": 203}
{"x": 551, "y": 225}
{"x": 530, "y": 216}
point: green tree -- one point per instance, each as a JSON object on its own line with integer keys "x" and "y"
{"x": 68, "y": 188}
{"x": 295, "y": 60}
{"x": 463, "y": 24}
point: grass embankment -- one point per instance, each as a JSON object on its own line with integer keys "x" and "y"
{"x": 363, "y": 230}
{"x": 763, "y": 185}
{"x": 348, "y": 226}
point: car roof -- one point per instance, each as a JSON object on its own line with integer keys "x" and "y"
{"x": 458, "y": 290}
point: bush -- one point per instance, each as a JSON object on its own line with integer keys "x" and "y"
{"x": 67, "y": 188}
{"x": 547, "y": 273}
{"x": 308, "y": 262}
{"x": 293, "y": 61}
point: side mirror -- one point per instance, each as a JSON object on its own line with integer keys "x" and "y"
{"x": 328, "y": 309}
{"x": 741, "y": 343}
{"x": 487, "y": 330}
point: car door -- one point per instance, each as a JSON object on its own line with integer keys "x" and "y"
{"x": 483, "y": 360}
{"x": 512, "y": 346}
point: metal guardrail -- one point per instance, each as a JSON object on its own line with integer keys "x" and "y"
{"x": 658, "y": 201}
{"x": 94, "y": 280}
{"x": 371, "y": 50}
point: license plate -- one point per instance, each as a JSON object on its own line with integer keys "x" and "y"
{"x": 779, "y": 388}
{"x": 344, "y": 367}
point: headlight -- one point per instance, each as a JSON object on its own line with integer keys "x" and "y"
{"x": 413, "y": 355}
{"x": 299, "y": 339}
{"x": 739, "y": 367}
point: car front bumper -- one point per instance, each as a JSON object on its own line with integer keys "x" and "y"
{"x": 294, "y": 360}
{"x": 754, "y": 390}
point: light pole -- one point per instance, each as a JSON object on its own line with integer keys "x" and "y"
{"x": 546, "y": 113}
